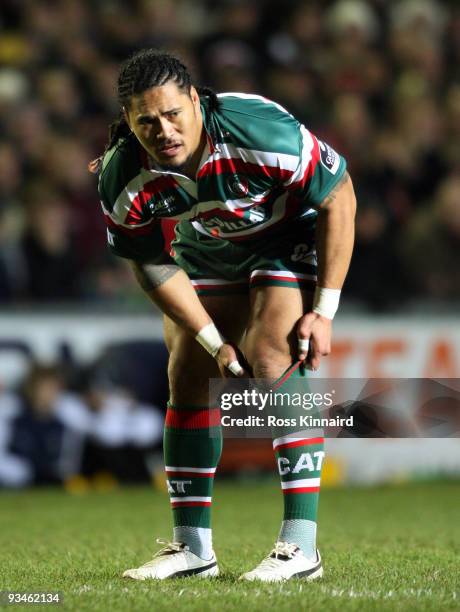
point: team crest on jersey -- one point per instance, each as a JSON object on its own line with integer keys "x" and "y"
{"x": 238, "y": 185}
{"x": 329, "y": 158}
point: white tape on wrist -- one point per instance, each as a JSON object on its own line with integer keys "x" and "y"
{"x": 235, "y": 368}
{"x": 326, "y": 301}
{"x": 210, "y": 339}
{"x": 304, "y": 345}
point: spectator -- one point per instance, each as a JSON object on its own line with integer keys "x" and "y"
{"x": 124, "y": 434}
{"x": 431, "y": 244}
{"x": 15, "y": 471}
{"x": 48, "y": 435}
{"x": 45, "y": 449}
{"x": 51, "y": 271}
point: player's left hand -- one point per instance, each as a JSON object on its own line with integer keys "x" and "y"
{"x": 314, "y": 333}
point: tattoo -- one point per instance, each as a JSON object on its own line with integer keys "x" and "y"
{"x": 331, "y": 196}
{"x": 150, "y": 275}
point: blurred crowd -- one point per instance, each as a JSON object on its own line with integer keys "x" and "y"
{"x": 377, "y": 80}
{"x": 76, "y": 429}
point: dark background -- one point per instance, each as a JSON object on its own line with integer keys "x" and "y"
{"x": 377, "y": 80}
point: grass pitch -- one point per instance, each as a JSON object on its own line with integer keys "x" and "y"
{"x": 389, "y": 548}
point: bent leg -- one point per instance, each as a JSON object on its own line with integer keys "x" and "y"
{"x": 271, "y": 349}
{"x": 271, "y": 341}
{"x": 193, "y": 437}
{"x": 190, "y": 366}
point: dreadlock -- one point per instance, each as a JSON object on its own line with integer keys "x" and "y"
{"x": 145, "y": 69}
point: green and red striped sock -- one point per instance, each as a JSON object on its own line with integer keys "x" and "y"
{"x": 299, "y": 457}
{"x": 192, "y": 449}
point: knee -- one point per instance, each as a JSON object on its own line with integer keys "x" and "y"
{"x": 268, "y": 369}
{"x": 189, "y": 373}
{"x": 268, "y": 362}
{"x": 267, "y": 350}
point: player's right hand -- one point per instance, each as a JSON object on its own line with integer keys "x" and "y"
{"x": 231, "y": 362}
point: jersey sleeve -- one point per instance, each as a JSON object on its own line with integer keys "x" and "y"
{"x": 132, "y": 232}
{"x": 319, "y": 170}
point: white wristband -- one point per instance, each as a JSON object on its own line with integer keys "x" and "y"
{"x": 210, "y": 339}
{"x": 326, "y": 302}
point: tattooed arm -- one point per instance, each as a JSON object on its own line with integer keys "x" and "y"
{"x": 170, "y": 289}
{"x": 152, "y": 275}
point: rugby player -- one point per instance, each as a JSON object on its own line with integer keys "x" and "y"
{"x": 265, "y": 231}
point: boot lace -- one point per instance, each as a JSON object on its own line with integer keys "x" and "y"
{"x": 282, "y": 551}
{"x": 169, "y": 548}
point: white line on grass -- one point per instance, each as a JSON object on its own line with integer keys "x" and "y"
{"x": 289, "y": 589}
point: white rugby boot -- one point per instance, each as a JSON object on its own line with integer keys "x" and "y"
{"x": 175, "y": 560}
{"x": 286, "y": 561}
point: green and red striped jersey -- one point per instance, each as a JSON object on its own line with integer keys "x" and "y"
{"x": 260, "y": 170}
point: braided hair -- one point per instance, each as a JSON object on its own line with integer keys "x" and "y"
{"x": 145, "y": 69}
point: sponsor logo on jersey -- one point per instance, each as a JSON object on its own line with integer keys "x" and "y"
{"x": 329, "y": 158}
{"x": 162, "y": 206}
{"x": 215, "y": 225}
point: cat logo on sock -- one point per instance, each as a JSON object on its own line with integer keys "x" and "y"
{"x": 180, "y": 485}
{"x": 305, "y": 462}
